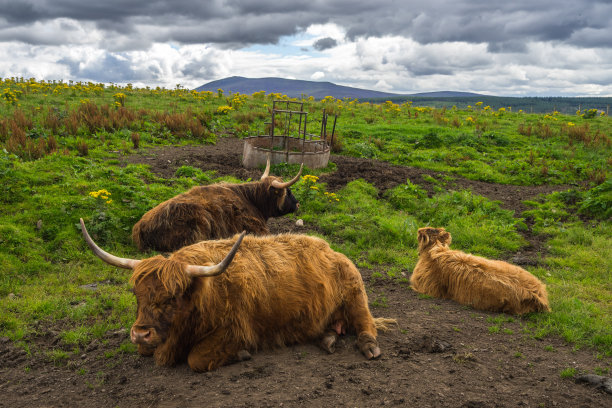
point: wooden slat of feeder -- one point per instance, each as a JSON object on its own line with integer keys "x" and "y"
{"x": 288, "y": 111}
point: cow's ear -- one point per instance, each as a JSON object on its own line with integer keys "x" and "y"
{"x": 445, "y": 238}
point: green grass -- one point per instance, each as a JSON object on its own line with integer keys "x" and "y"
{"x": 379, "y": 231}
{"x": 569, "y": 372}
{"x": 46, "y": 178}
{"x": 578, "y": 273}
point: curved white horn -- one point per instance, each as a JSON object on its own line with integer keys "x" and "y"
{"x": 218, "y": 269}
{"x": 278, "y": 184}
{"x": 125, "y": 263}
{"x": 267, "y": 170}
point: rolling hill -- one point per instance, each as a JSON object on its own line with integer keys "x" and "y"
{"x": 291, "y": 87}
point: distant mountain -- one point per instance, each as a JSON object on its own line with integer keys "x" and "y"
{"x": 295, "y": 88}
{"x": 291, "y": 87}
{"x": 446, "y": 94}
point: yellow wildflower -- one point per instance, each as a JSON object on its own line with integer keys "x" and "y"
{"x": 104, "y": 194}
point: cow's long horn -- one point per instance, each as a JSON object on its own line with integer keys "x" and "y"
{"x": 218, "y": 269}
{"x": 105, "y": 256}
{"x": 267, "y": 170}
{"x": 278, "y": 184}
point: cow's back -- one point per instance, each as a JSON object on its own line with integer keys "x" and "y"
{"x": 202, "y": 213}
{"x": 278, "y": 290}
{"x": 488, "y": 284}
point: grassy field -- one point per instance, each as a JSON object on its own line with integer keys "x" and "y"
{"x": 59, "y": 144}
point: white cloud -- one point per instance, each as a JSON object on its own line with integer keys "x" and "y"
{"x": 317, "y": 76}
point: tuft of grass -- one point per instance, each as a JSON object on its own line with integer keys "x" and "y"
{"x": 77, "y": 336}
{"x": 380, "y": 301}
{"x": 58, "y": 357}
{"x": 569, "y": 372}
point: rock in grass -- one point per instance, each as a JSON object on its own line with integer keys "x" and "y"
{"x": 598, "y": 381}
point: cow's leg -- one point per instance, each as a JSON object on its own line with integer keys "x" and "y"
{"x": 337, "y": 327}
{"x": 213, "y": 352}
{"x": 328, "y": 341}
{"x": 359, "y": 316}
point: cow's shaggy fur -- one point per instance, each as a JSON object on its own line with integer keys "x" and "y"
{"x": 212, "y": 212}
{"x": 278, "y": 290}
{"x": 471, "y": 280}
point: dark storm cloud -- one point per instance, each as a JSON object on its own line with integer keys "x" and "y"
{"x": 324, "y": 44}
{"x": 265, "y": 29}
{"x": 507, "y": 47}
{"x": 504, "y": 25}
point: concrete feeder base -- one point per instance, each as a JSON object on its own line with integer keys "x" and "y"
{"x": 313, "y": 153}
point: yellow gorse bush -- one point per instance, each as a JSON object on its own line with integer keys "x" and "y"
{"x": 119, "y": 99}
{"x": 238, "y": 100}
{"x": 224, "y": 109}
{"x": 391, "y": 107}
{"x": 309, "y": 178}
{"x": 11, "y": 96}
{"x": 331, "y": 197}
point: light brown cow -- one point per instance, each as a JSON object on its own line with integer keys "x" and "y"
{"x": 278, "y": 290}
{"x": 471, "y": 280}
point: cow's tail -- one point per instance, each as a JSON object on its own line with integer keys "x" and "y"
{"x": 384, "y": 324}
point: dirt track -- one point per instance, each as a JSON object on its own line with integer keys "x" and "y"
{"x": 442, "y": 355}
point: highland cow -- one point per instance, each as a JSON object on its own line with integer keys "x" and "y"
{"x": 215, "y": 211}
{"x": 471, "y": 280}
{"x": 209, "y": 303}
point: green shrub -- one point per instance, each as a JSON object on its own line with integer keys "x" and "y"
{"x": 597, "y": 201}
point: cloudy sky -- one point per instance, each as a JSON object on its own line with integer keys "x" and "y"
{"x": 497, "y": 47}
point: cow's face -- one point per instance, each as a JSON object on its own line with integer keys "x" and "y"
{"x": 429, "y": 236}
{"x": 285, "y": 201}
{"x": 289, "y": 204}
{"x": 156, "y": 311}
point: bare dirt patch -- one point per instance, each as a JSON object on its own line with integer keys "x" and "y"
{"x": 441, "y": 355}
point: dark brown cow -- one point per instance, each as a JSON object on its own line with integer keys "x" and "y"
{"x": 278, "y": 290}
{"x": 215, "y": 211}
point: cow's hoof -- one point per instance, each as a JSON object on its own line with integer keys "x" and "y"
{"x": 328, "y": 342}
{"x": 372, "y": 353}
{"x": 244, "y": 355}
{"x": 368, "y": 346}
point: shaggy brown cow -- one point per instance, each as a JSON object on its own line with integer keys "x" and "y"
{"x": 215, "y": 211}
{"x": 278, "y": 290}
{"x": 471, "y": 280}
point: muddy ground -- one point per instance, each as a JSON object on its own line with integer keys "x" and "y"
{"x": 442, "y": 354}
